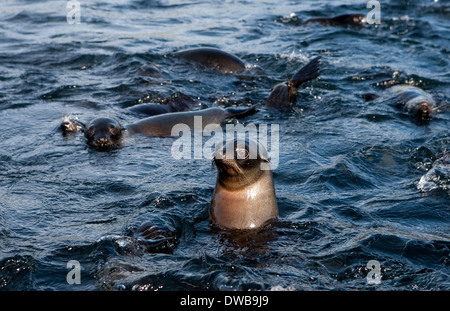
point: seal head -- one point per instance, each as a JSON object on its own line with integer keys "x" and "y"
{"x": 414, "y": 101}
{"x": 104, "y": 134}
{"x": 244, "y": 196}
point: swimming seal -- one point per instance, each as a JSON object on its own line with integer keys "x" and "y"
{"x": 285, "y": 93}
{"x": 341, "y": 20}
{"x": 244, "y": 195}
{"x": 345, "y": 19}
{"x": 105, "y": 134}
{"x": 213, "y": 59}
{"x": 414, "y": 101}
{"x": 177, "y": 103}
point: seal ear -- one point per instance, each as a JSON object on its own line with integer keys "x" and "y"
{"x": 265, "y": 159}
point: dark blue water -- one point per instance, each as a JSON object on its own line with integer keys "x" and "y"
{"x": 348, "y": 173}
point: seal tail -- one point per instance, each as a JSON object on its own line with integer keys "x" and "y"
{"x": 241, "y": 112}
{"x": 308, "y": 72}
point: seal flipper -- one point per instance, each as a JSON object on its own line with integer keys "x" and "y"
{"x": 240, "y": 112}
{"x": 178, "y": 102}
{"x": 308, "y": 72}
{"x": 284, "y": 94}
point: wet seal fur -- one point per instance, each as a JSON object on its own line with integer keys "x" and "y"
{"x": 213, "y": 59}
{"x": 341, "y": 20}
{"x": 105, "y": 134}
{"x": 412, "y": 100}
{"x": 244, "y": 195}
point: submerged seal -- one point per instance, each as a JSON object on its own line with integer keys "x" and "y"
{"x": 341, "y": 20}
{"x": 105, "y": 134}
{"x": 215, "y": 59}
{"x": 285, "y": 93}
{"x": 177, "y": 103}
{"x": 414, "y": 101}
{"x": 244, "y": 195}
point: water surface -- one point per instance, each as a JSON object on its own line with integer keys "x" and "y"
{"x": 348, "y": 170}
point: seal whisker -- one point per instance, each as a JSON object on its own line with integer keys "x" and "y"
{"x": 440, "y": 106}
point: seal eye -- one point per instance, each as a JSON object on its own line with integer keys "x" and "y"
{"x": 241, "y": 153}
{"x": 114, "y": 131}
{"x": 91, "y": 132}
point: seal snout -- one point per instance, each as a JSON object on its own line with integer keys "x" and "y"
{"x": 233, "y": 157}
{"x": 102, "y": 142}
{"x": 228, "y": 166}
{"x": 423, "y": 112}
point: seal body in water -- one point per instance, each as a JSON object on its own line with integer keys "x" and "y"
{"x": 105, "y": 134}
{"x": 214, "y": 59}
{"x": 177, "y": 103}
{"x": 284, "y": 94}
{"x": 341, "y": 20}
{"x": 413, "y": 100}
{"x": 244, "y": 195}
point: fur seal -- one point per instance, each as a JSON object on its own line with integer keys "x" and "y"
{"x": 105, "y": 134}
{"x": 413, "y": 100}
{"x": 285, "y": 93}
{"x": 213, "y": 59}
{"x": 244, "y": 195}
{"x": 177, "y": 103}
{"x": 341, "y": 20}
